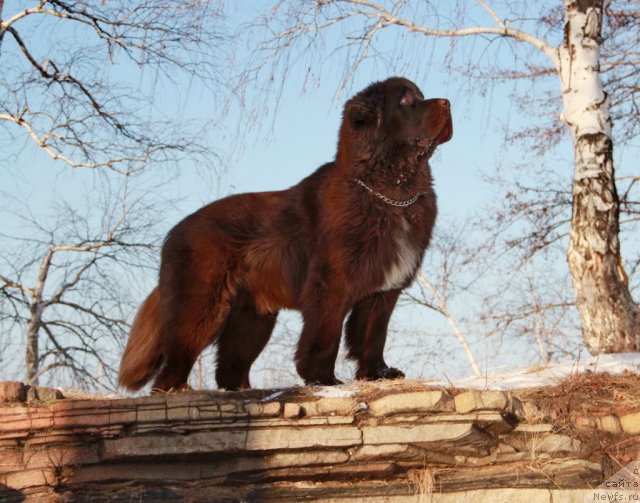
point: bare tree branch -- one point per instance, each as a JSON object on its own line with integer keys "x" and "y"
{"x": 441, "y": 307}
{"x": 76, "y": 105}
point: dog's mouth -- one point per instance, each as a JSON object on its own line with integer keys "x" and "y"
{"x": 428, "y": 144}
{"x": 446, "y": 132}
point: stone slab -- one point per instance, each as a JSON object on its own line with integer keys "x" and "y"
{"x": 413, "y": 434}
{"x": 417, "y": 401}
{"x": 232, "y": 440}
{"x": 631, "y": 423}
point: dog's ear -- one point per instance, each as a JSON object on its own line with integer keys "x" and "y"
{"x": 363, "y": 110}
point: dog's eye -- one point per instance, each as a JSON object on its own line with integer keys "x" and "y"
{"x": 407, "y": 100}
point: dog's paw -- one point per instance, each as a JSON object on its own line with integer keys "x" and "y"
{"x": 328, "y": 381}
{"x": 378, "y": 374}
{"x": 391, "y": 373}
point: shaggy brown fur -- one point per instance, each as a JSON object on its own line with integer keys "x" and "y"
{"x": 332, "y": 245}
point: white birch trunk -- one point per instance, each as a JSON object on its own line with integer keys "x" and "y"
{"x": 610, "y": 318}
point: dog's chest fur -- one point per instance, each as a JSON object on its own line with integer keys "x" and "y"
{"x": 405, "y": 258}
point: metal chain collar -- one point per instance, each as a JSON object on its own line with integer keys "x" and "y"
{"x": 392, "y": 202}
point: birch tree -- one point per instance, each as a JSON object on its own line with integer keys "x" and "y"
{"x": 64, "y": 283}
{"x": 590, "y": 46}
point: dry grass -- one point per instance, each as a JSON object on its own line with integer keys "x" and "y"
{"x": 588, "y": 393}
{"x": 423, "y": 482}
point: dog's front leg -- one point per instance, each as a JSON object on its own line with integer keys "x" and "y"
{"x": 366, "y": 334}
{"x": 323, "y": 310}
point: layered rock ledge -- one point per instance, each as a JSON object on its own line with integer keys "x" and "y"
{"x": 391, "y": 442}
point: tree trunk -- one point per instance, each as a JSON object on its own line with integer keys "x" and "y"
{"x": 610, "y": 318}
{"x": 32, "y": 359}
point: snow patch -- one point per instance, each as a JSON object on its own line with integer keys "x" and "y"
{"x": 334, "y": 392}
{"x": 549, "y": 375}
{"x": 272, "y": 396}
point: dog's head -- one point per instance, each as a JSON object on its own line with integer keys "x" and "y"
{"x": 390, "y": 119}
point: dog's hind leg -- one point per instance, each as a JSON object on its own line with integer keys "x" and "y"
{"x": 192, "y": 318}
{"x": 366, "y": 334}
{"x": 245, "y": 335}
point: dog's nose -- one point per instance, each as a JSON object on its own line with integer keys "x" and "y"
{"x": 441, "y": 103}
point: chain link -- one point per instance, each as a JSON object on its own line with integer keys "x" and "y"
{"x": 392, "y": 202}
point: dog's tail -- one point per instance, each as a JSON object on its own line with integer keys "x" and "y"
{"x": 143, "y": 355}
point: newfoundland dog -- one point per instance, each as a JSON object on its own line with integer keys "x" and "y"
{"x": 342, "y": 243}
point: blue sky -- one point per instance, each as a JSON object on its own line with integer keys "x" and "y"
{"x": 287, "y": 146}
{"x": 282, "y": 149}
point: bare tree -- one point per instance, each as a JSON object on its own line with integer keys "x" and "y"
{"x": 63, "y": 296}
{"x": 444, "y": 281}
{"x": 95, "y": 85}
{"x": 590, "y": 46}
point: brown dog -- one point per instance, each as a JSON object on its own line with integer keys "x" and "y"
{"x": 348, "y": 238}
